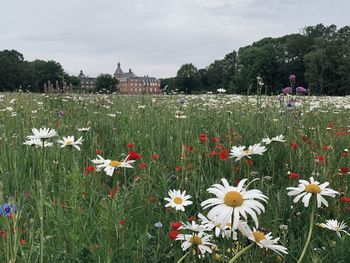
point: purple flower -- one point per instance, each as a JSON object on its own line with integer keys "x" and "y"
{"x": 292, "y": 77}
{"x": 287, "y": 90}
{"x": 301, "y": 90}
{"x": 61, "y": 113}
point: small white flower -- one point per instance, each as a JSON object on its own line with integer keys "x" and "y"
{"x": 178, "y": 200}
{"x": 109, "y": 166}
{"x": 69, "y": 141}
{"x": 42, "y": 133}
{"x": 241, "y": 151}
{"x": 223, "y": 231}
{"x": 307, "y": 189}
{"x": 199, "y": 240}
{"x": 84, "y": 129}
{"x": 36, "y": 142}
{"x": 279, "y": 138}
{"x": 261, "y": 239}
{"x": 334, "y": 225}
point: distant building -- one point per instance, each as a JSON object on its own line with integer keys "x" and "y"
{"x": 86, "y": 82}
{"x": 129, "y": 83}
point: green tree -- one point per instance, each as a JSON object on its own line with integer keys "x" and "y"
{"x": 187, "y": 79}
{"x": 107, "y": 83}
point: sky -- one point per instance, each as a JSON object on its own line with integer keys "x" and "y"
{"x": 152, "y": 37}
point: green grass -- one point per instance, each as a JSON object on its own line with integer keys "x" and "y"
{"x": 82, "y": 224}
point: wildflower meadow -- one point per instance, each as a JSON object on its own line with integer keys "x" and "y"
{"x": 174, "y": 178}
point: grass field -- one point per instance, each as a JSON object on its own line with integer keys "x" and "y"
{"x": 57, "y": 206}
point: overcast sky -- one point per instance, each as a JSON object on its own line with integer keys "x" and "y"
{"x": 153, "y": 37}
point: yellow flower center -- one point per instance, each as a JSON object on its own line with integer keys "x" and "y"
{"x": 246, "y": 152}
{"x": 233, "y": 199}
{"x": 178, "y": 200}
{"x": 69, "y": 142}
{"x": 313, "y": 189}
{"x": 258, "y": 236}
{"x": 196, "y": 240}
{"x": 115, "y": 163}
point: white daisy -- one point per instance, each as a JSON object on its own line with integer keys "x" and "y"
{"x": 36, "y": 142}
{"x": 69, "y": 141}
{"x": 84, "y": 129}
{"x": 261, "y": 239}
{"x": 178, "y": 200}
{"x": 224, "y": 232}
{"x": 241, "y": 151}
{"x": 42, "y": 133}
{"x": 199, "y": 240}
{"x": 306, "y": 189}
{"x": 194, "y": 227}
{"x": 334, "y": 225}
{"x": 279, "y": 138}
{"x": 234, "y": 200}
{"x": 109, "y": 166}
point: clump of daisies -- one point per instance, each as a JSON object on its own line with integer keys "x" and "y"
{"x": 40, "y": 136}
{"x": 242, "y": 151}
{"x": 279, "y": 138}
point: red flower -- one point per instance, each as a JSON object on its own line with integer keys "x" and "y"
{"x": 330, "y": 125}
{"x": 155, "y": 156}
{"x": 321, "y": 159}
{"x": 173, "y": 234}
{"x": 143, "y": 166}
{"x": 130, "y": 145}
{"x": 189, "y": 148}
{"x": 343, "y": 170}
{"x": 178, "y": 168}
{"x": 216, "y": 139}
{"x": 345, "y": 199}
{"x": 249, "y": 162}
{"x": 98, "y": 151}
{"x": 224, "y": 155}
{"x": 294, "y": 176}
{"x": 294, "y": 146}
{"x": 176, "y": 225}
{"x": 191, "y": 218}
{"x": 203, "y": 137}
{"x": 134, "y": 155}
{"x": 23, "y": 242}
{"x": 121, "y": 222}
{"x": 219, "y": 146}
{"x": 89, "y": 169}
{"x": 327, "y": 147}
{"x": 213, "y": 153}
{"x": 113, "y": 191}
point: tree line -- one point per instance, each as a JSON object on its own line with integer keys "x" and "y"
{"x": 319, "y": 57}
{"x": 17, "y": 73}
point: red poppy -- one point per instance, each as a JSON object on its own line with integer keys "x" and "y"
{"x": 213, "y": 153}
{"x": 89, "y": 169}
{"x": 224, "y": 155}
{"x": 178, "y": 168}
{"x": 341, "y": 132}
{"x": 173, "y": 234}
{"x": 327, "y": 147}
{"x": 345, "y": 199}
{"x": 219, "y": 146}
{"x": 98, "y": 151}
{"x": 249, "y": 162}
{"x": 203, "y": 137}
{"x": 23, "y": 242}
{"x": 113, "y": 191}
{"x": 216, "y": 139}
{"x": 189, "y": 148}
{"x": 294, "y": 146}
{"x": 294, "y": 176}
{"x": 143, "y": 166}
{"x": 155, "y": 156}
{"x": 191, "y": 218}
{"x": 130, "y": 145}
{"x": 321, "y": 159}
{"x": 175, "y": 225}
{"x": 134, "y": 155}
{"x": 121, "y": 222}
{"x": 343, "y": 170}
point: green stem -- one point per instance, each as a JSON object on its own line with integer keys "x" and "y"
{"x": 183, "y": 257}
{"x": 240, "y": 253}
{"x": 312, "y": 219}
